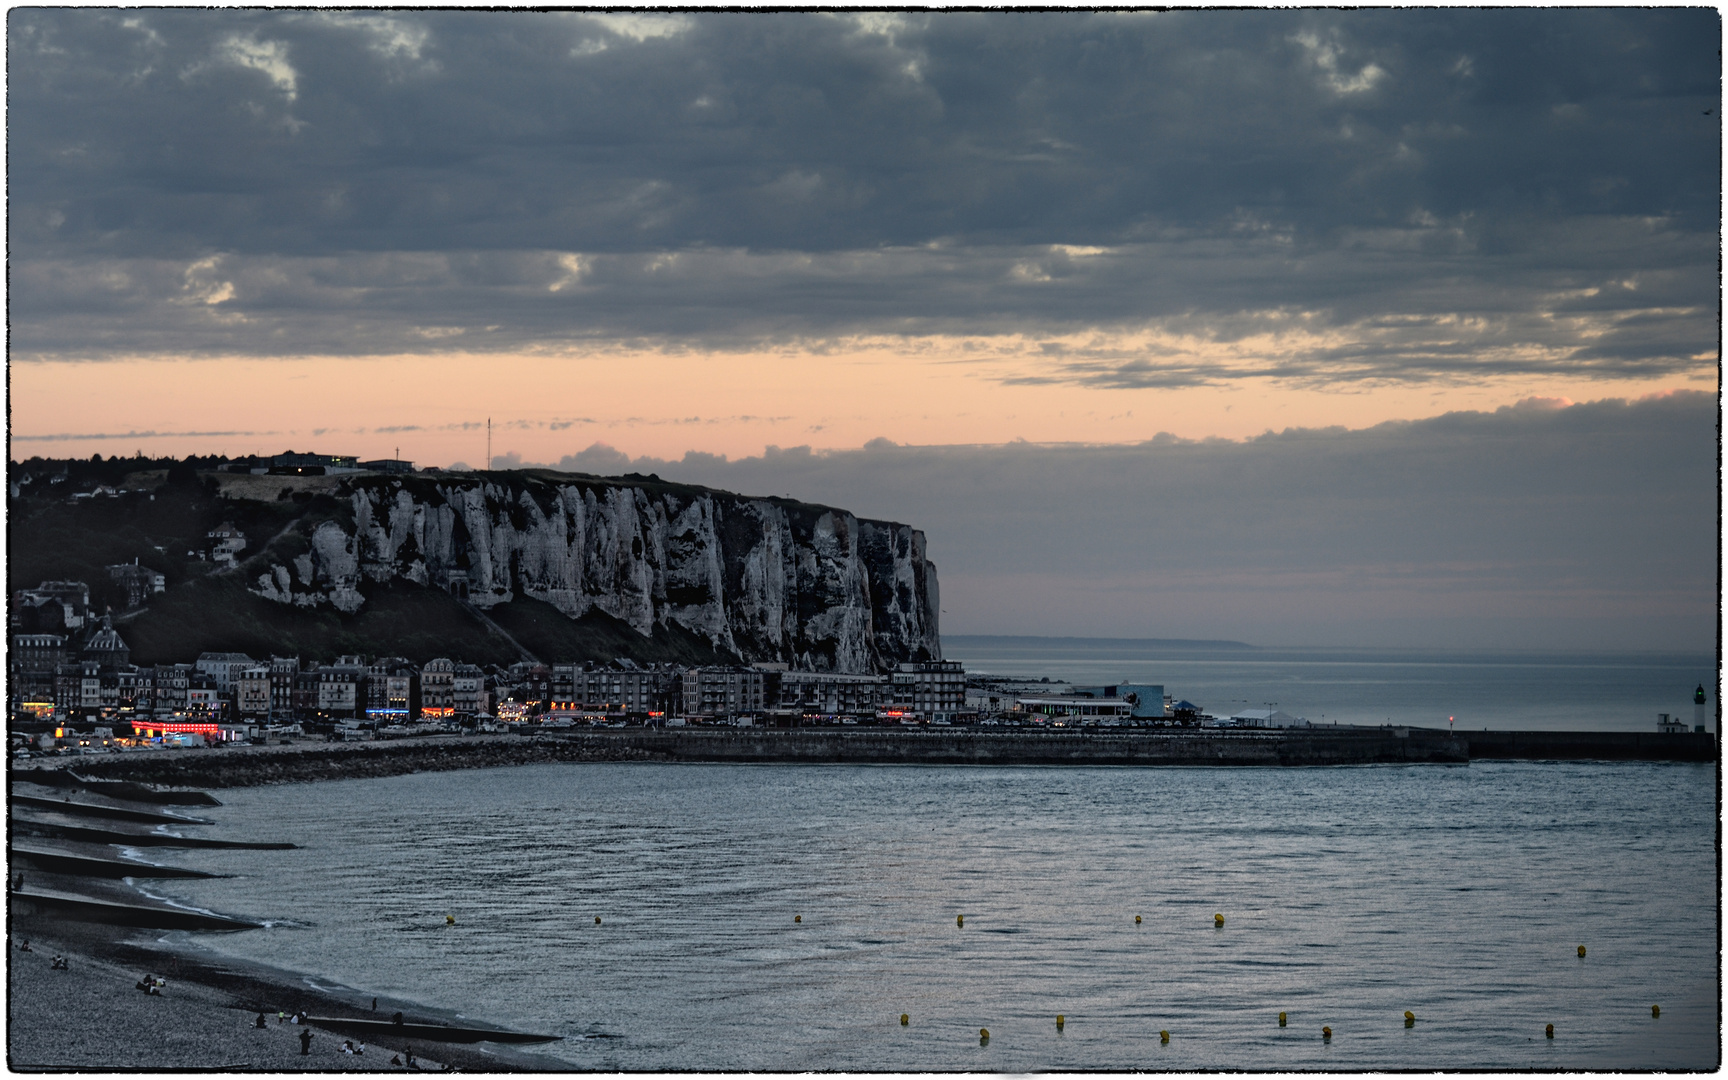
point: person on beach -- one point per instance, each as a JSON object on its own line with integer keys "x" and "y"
{"x": 260, "y": 1021}
{"x": 347, "y": 1046}
{"x": 305, "y": 1043}
{"x": 281, "y": 1016}
{"x": 26, "y": 946}
{"x": 361, "y": 1049}
{"x": 395, "y": 1059}
{"x": 397, "y": 1019}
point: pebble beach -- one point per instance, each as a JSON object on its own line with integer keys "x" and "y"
{"x": 91, "y": 1015}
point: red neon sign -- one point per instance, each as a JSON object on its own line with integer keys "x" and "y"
{"x": 154, "y": 728}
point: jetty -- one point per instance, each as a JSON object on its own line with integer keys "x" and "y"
{"x": 1310, "y": 746}
{"x": 1082, "y": 746}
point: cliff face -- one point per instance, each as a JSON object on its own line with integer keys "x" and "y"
{"x": 768, "y": 579}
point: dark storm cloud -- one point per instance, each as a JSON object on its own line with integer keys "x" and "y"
{"x": 1532, "y": 526}
{"x": 278, "y": 182}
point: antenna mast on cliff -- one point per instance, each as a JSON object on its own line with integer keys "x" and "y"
{"x": 488, "y": 444}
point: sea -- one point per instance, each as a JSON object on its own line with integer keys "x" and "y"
{"x": 716, "y": 917}
{"x": 1500, "y": 691}
{"x": 782, "y": 918}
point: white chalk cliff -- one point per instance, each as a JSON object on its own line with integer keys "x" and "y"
{"x": 767, "y": 579}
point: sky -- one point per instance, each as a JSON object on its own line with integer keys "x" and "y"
{"x": 1219, "y": 256}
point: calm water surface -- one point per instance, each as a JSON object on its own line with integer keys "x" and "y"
{"x": 1350, "y": 895}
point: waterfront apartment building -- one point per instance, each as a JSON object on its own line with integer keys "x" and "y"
{"x": 390, "y": 689}
{"x": 252, "y": 692}
{"x": 224, "y": 667}
{"x": 830, "y": 693}
{"x": 31, "y": 665}
{"x": 729, "y": 691}
{"x": 618, "y": 689}
{"x": 283, "y": 672}
{"x": 929, "y": 690}
{"x": 468, "y": 690}
{"x": 438, "y": 689}
{"x": 342, "y": 688}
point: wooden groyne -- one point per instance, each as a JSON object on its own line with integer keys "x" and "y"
{"x": 444, "y": 1033}
{"x": 82, "y": 907}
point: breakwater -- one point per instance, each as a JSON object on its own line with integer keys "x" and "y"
{"x": 1591, "y": 745}
{"x": 237, "y": 767}
{"x": 972, "y": 746}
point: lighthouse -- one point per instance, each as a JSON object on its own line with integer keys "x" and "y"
{"x": 1698, "y": 709}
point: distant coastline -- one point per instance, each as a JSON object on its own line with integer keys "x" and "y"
{"x": 1033, "y": 640}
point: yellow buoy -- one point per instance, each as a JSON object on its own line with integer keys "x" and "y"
{"x": 1136, "y": 920}
{"x": 596, "y": 920}
{"x": 959, "y": 920}
{"x": 1550, "y": 1031}
{"x": 1060, "y": 1020}
{"x": 904, "y": 1019}
{"x": 1409, "y": 1018}
{"x": 1217, "y": 920}
{"x": 797, "y": 918}
{"x": 1280, "y": 1019}
{"x": 1164, "y": 1036}
{"x": 1580, "y": 952}
{"x": 983, "y": 1036}
{"x": 1325, "y": 1033}
{"x": 449, "y": 920}
{"x": 1655, "y": 1011}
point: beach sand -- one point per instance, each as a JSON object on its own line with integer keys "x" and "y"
{"x": 92, "y": 1016}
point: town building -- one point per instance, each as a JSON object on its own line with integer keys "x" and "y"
{"x": 342, "y": 689}
{"x": 106, "y": 648}
{"x": 172, "y": 681}
{"x": 468, "y": 690}
{"x": 252, "y": 693}
{"x": 225, "y": 543}
{"x": 437, "y": 689}
{"x": 726, "y": 692}
{"x": 224, "y": 667}
{"x": 390, "y": 690}
{"x": 53, "y": 607}
{"x": 283, "y": 672}
{"x": 313, "y": 464}
{"x": 30, "y": 665}
{"x": 828, "y": 693}
{"x": 620, "y": 689}
{"x": 1076, "y": 707}
{"x": 930, "y": 690}
{"x": 139, "y": 582}
{"x": 204, "y": 699}
{"x": 135, "y": 689}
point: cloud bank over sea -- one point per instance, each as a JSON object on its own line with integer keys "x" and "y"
{"x": 1541, "y": 525}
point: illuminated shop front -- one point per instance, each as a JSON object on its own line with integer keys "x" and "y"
{"x": 212, "y": 732}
